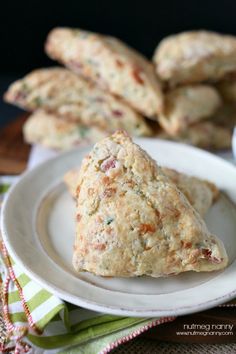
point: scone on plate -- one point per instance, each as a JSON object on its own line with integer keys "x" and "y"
{"x": 111, "y": 64}
{"x": 200, "y": 193}
{"x": 195, "y": 56}
{"x": 133, "y": 221}
{"x": 68, "y": 95}
{"x": 206, "y": 135}
{"x": 187, "y": 105}
{"x": 51, "y": 131}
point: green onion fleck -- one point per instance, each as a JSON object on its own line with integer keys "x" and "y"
{"x": 83, "y": 131}
{"x": 37, "y": 101}
{"x": 109, "y": 221}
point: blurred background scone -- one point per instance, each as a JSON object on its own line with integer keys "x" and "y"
{"x": 111, "y": 64}
{"x": 195, "y": 56}
{"x": 187, "y": 105}
{"x": 68, "y": 95}
{"x": 54, "y": 132}
{"x": 186, "y": 94}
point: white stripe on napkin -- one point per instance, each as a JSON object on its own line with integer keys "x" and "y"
{"x": 30, "y": 290}
{"x": 15, "y": 307}
{"x": 39, "y": 312}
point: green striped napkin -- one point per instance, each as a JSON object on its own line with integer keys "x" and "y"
{"x": 35, "y": 318}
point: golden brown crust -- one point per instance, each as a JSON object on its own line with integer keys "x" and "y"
{"x": 132, "y": 220}
{"x": 66, "y": 94}
{"x": 111, "y": 64}
{"x": 195, "y": 56}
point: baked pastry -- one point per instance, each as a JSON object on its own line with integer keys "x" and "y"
{"x": 200, "y": 193}
{"x": 195, "y": 56}
{"x": 206, "y": 135}
{"x": 187, "y": 105}
{"x": 111, "y": 64}
{"x": 53, "y": 132}
{"x": 67, "y": 95}
{"x": 133, "y": 221}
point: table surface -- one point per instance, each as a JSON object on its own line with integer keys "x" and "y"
{"x": 13, "y": 160}
{"x": 13, "y": 151}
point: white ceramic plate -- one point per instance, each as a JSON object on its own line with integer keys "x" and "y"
{"x": 38, "y": 229}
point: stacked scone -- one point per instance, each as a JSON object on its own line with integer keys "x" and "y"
{"x": 197, "y": 69}
{"x": 105, "y": 85}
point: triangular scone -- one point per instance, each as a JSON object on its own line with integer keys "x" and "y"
{"x": 200, "y": 193}
{"x": 67, "y": 95}
{"x": 195, "y": 56}
{"x": 110, "y": 63}
{"x": 132, "y": 220}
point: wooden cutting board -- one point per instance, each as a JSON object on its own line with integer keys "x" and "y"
{"x": 13, "y": 160}
{"x": 13, "y": 151}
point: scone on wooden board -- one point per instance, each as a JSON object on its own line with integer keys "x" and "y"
{"x": 111, "y": 64}
{"x": 187, "y": 105}
{"x": 68, "y": 95}
{"x": 195, "y": 56}
{"x": 51, "y": 131}
{"x": 133, "y": 221}
{"x": 200, "y": 193}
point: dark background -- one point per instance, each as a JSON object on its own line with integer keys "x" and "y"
{"x": 24, "y": 26}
